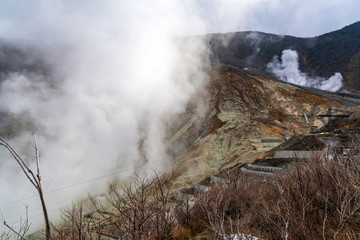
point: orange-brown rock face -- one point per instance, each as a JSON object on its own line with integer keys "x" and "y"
{"x": 236, "y": 108}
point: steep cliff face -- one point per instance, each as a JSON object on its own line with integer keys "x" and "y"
{"x": 241, "y": 107}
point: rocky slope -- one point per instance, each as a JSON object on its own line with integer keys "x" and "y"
{"x": 242, "y": 109}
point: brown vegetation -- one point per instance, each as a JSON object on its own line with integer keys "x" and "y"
{"x": 316, "y": 200}
{"x": 141, "y": 210}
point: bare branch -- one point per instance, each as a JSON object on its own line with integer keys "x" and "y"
{"x": 13, "y": 230}
{"x": 23, "y": 228}
{"x": 19, "y": 160}
{"x": 34, "y": 180}
{"x": 37, "y": 156}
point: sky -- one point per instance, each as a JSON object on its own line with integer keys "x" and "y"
{"x": 120, "y": 73}
{"x": 305, "y": 18}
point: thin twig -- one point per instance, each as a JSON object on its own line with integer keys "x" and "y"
{"x": 10, "y": 228}
{"x": 19, "y": 160}
{"x": 34, "y": 180}
{"x": 37, "y": 156}
{"x": 13, "y": 230}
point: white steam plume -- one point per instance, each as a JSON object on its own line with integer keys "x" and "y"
{"x": 120, "y": 69}
{"x": 288, "y": 71}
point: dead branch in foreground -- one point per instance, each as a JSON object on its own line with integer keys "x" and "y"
{"x": 35, "y": 180}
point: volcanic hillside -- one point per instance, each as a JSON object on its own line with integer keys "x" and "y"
{"x": 246, "y": 116}
{"x": 243, "y": 103}
{"x": 337, "y": 51}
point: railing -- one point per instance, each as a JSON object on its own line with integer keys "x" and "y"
{"x": 265, "y": 168}
{"x": 256, "y": 172}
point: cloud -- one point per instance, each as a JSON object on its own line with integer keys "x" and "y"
{"x": 299, "y": 18}
{"x": 287, "y": 70}
{"x": 119, "y": 69}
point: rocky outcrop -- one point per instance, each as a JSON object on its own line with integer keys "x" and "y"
{"x": 240, "y": 107}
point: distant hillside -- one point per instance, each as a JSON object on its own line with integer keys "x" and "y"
{"x": 337, "y": 51}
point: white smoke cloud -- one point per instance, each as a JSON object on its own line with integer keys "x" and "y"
{"x": 120, "y": 68}
{"x": 255, "y": 40}
{"x": 287, "y": 70}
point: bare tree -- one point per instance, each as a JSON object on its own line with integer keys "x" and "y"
{"x": 24, "y": 227}
{"x": 76, "y": 224}
{"x": 164, "y": 216}
{"x": 35, "y": 179}
{"x": 141, "y": 210}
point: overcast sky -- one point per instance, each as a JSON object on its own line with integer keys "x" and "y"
{"x": 292, "y": 17}
{"x": 304, "y": 18}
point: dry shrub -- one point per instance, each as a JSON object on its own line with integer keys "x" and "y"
{"x": 228, "y": 210}
{"x": 319, "y": 199}
{"x": 315, "y": 200}
{"x": 141, "y": 210}
{"x": 75, "y": 225}
{"x": 182, "y": 233}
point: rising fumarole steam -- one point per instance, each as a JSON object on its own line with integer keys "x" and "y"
{"x": 117, "y": 73}
{"x": 287, "y": 70}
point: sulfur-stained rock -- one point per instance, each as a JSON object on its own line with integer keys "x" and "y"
{"x": 241, "y": 106}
